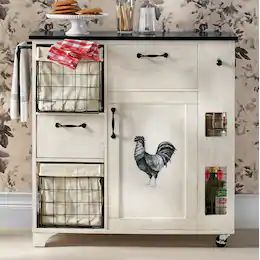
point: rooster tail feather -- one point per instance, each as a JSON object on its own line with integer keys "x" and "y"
{"x": 165, "y": 150}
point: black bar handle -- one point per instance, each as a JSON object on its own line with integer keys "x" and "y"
{"x": 140, "y": 55}
{"x": 58, "y": 125}
{"x": 113, "y": 110}
{"x": 219, "y": 62}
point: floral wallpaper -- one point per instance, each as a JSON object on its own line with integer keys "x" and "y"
{"x": 19, "y": 17}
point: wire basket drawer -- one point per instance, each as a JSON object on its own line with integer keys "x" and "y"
{"x": 60, "y": 89}
{"x": 71, "y": 195}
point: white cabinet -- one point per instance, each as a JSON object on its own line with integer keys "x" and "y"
{"x": 153, "y": 167}
{"x": 160, "y": 99}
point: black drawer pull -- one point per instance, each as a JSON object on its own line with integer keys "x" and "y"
{"x": 219, "y": 62}
{"x": 140, "y": 55}
{"x": 58, "y": 125}
{"x": 113, "y": 110}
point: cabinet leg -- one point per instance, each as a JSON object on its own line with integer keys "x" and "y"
{"x": 221, "y": 240}
{"x": 40, "y": 239}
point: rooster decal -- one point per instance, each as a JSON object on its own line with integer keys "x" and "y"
{"x": 152, "y": 164}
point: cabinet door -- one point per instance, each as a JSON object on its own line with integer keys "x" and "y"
{"x": 158, "y": 140}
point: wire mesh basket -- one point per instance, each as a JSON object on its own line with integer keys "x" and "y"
{"x": 71, "y": 196}
{"x": 60, "y": 89}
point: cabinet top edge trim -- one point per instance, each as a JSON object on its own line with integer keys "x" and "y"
{"x": 113, "y": 35}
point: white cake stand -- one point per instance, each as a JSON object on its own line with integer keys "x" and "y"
{"x": 78, "y": 22}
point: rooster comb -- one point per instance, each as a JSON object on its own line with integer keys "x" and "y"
{"x": 139, "y": 138}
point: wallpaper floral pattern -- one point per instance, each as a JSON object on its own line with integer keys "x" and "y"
{"x": 19, "y": 17}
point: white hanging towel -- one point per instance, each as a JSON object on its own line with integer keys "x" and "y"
{"x": 14, "y": 102}
{"x": 21, "y": 83}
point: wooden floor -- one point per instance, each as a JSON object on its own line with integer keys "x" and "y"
{"x": 243, "y": 245}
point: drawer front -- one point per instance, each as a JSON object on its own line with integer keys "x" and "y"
{"x": 177, "y": 71}
{"x": 70, "y": 142}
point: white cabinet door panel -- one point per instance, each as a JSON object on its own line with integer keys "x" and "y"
{"x": 153, "y": 201}
{"x": 171, "y": 202}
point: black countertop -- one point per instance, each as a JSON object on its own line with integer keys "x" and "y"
{"x": 107, "y": 35}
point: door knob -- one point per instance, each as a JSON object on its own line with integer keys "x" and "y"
{"x": 219, "y": 62}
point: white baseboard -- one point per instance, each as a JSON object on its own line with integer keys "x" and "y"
{"x": 16, "y": 211}
{"x": 247, "y": 211}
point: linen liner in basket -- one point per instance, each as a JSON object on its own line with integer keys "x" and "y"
{"x": 62, "y": 89}
{"x": 71, "y": 195}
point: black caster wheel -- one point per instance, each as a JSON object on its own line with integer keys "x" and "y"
{"x": 221, "y": 242}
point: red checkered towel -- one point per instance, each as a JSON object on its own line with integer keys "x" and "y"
{"x": 62, "y": 57}
{"x": 70, "y": 52}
